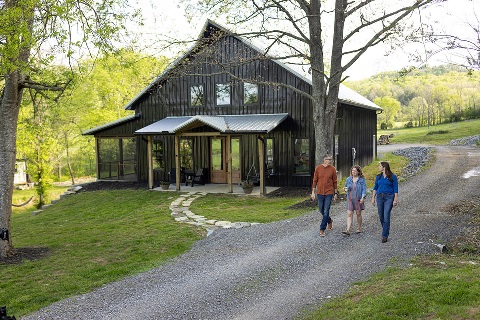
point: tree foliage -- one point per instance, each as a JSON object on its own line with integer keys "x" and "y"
{"x": 32, "y": 34}
{"x": 327, "y": 37}
{"x": 429, "y": 95}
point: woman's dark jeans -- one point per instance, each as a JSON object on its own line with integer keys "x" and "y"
{"x": 384, "y": 206}
{"x": 324, "y": 202}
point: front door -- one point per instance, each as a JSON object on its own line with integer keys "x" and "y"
{"x": 219, "y": 160}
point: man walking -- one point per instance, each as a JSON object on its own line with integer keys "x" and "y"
{"x": 325, "y": 185}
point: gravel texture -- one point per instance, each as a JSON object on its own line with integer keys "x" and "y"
{"x": 471, "y": 141}
{"x": 277, "y": 270}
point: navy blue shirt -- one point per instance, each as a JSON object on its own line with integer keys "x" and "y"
{"x": 383, "y": 185}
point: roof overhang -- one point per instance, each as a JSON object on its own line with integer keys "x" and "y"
{"x": 228, "y": 124}
{"x": 112, "y": 124}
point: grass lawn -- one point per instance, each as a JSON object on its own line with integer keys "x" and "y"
{"x": 446, "y": 287}
{"x": 437, "y": 135}
{"x": 247, "y": 209}
{"x": 93, "y": 238}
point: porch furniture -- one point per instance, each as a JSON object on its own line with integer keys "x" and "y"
{"x": 173, "y": 173}
{"x": 199, "y": 177}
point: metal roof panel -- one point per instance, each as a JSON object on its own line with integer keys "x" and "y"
{"x": 226, "y": 123}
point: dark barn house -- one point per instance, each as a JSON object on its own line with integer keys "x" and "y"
{"x": 227, "y": 113}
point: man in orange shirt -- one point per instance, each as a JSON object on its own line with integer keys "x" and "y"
{"x": 325, "y": 185}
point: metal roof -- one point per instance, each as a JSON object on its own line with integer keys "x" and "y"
{"x": 251, "y": 123}
{"x": 345, "y": 95}
{"x": 110, "y": 124}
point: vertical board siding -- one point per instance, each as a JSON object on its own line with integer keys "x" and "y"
{"x": 219, "y": 64}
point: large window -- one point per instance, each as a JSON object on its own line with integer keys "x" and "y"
{"x": 158, "y": 154}
{"x": 197, "y": 96}
{"x": 186, "y": 154}
{"x": 301, "y": 159}
{"x": 250, "y": 93}
{"x": 222, "y": 94}
{"x": 116, "y": 157}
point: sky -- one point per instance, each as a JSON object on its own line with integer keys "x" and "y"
{"x": 167, "y": 18}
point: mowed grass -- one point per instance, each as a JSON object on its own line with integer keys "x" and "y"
{"x": 91, "y": 239}
{"x": 248, "y": 209}
{"x": 95, "y": 238}
{"x": 433, "y": 287}
{"x": 436, "y": 135}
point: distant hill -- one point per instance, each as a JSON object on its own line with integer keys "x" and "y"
{"x": 428, "y": 95}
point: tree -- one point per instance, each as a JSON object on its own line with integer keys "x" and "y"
{"x": 390, "y": 108}
{"x": 306, "y": 31}
{"x": 31, "y": 33}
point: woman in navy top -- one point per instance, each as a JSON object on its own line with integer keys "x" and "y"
{"x": 385, "y": 193}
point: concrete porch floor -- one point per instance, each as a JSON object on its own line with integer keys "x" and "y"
{"x": 215, "y": 188}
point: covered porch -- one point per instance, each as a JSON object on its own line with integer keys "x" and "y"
{"x": 226, "y": 128}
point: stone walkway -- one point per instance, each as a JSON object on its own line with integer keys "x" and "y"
{"x": 181, "y": 212}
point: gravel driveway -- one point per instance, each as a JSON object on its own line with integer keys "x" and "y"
{"x": 274, "y": 271}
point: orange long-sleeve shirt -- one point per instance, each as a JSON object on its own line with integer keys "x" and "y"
{"x": 325, "y": 180}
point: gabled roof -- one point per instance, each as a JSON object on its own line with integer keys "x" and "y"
{"x": 251, "y": 123}
{"x": 111, "y": 124}
{"x": 346, "y": 95}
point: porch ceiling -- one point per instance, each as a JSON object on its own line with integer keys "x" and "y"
{"x": 252, "y": 123}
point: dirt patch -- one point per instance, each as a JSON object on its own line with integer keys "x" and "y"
{"x": 17, "y": 256}
{"x": 113, "y": 185}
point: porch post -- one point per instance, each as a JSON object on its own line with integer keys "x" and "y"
{"x": 261, "y": 160}
{"x": 150, "y": 164}
{"x": 177, "y": 162}
{"x": 229, "y": 163}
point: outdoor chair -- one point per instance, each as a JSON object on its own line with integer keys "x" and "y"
{"x": 200, "y": 177}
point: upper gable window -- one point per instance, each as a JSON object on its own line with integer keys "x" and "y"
{"x": 197, "y": 96}
{"x": 222, "y": 94}
{"x": 250, "y": 93}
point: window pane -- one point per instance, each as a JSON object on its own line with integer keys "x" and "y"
{"x": 301, "y": 159}
{"x": 270, "y": 160}
{"x": 235, "y": 154}
{"x": 186, "y": 154}
{"x": 217, "y": 154}
{"x": 157, "y": 154}
{"x": 222, "y": 92}
{"x": 196, "y": 96}
{"x": 250, "y": 93}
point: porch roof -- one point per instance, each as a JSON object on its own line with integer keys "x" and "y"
{"x": 251, "y": 123}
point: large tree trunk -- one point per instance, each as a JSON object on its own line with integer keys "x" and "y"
{"x": 18, "y": 45}
{"x": 9, "y": 107}
{"x": 325, "y": 92}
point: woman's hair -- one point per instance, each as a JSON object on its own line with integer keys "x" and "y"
{"x": 388, "y": 172}
{"x": 359, "y": 170}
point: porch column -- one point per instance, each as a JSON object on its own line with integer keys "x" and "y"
{"x": 261, "y": 160}
{"x": 229, "y": 163}
{"x": 150, "y": 163}
{"x": 177, "y": 162}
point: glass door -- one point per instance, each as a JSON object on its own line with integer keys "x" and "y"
{"x": 219, "y": 160}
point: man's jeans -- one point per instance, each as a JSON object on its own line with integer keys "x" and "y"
{"x": 384, "y": 206}
{"x": 324, "y": 202}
